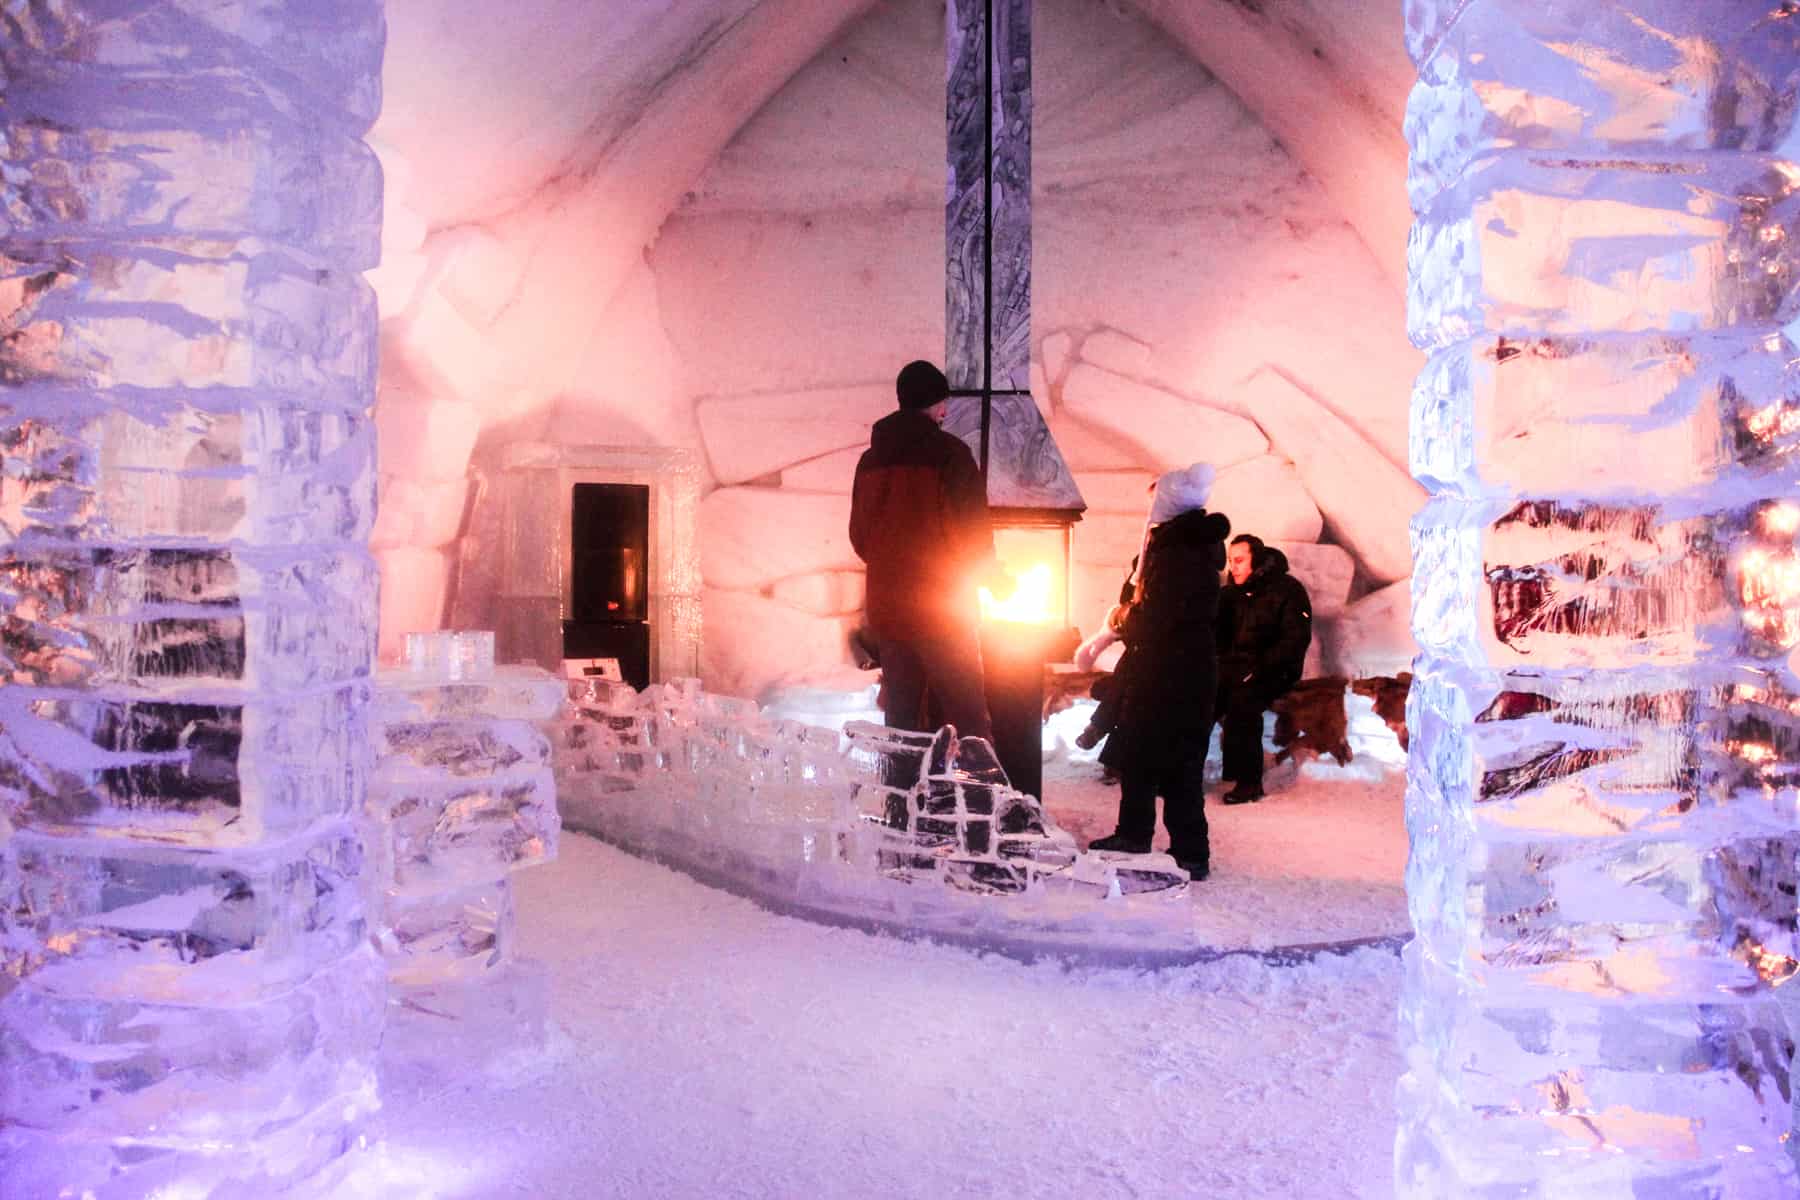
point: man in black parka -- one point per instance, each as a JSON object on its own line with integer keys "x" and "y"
{"x": 1265, "y": 626}
{"x": 1167, "y": 679}
{"x": 919, "y": 519}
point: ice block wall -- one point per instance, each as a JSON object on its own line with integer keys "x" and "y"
{"x": 795, "y": 812}
{"x": 1606, "y": 596}
{"x": 187, "y": 604}
{"x": 461, "y": 796}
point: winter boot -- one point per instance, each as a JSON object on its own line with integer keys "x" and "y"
{"x": 1119, "y": 844}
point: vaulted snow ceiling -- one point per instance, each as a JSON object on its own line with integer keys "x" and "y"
{"x": 546, "y": 116}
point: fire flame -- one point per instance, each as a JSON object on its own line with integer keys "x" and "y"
{"x": 1032, "y": 601}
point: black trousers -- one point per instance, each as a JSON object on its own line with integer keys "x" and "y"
{"x": 1240, "y": 708}
{"x": 1181, "y": 787}
{"x": 929, "y": 681}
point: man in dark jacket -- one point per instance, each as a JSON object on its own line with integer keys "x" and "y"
{"x": 1265, "y": 626}
{"x": 1166, "y": 681}
{"x": 919, "y": 519}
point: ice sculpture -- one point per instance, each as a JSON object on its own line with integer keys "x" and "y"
{"x": 187, "y": 605}
{"x": 918, "y": 831}
{"x": 460, "y": 795}
{"x": 1606, "y": 749}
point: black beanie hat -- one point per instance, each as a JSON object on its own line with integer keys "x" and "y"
{"x": 921, "y": 385}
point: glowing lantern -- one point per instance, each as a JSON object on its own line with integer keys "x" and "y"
{"x": 1037, "y": 557}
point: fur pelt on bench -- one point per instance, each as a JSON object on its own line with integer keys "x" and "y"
{"x": 1389, "y": 694}
{"x": 1310, "y": 719}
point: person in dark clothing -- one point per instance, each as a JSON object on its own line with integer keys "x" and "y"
{"x": 1107, "y": 688}
{"x": 1265, "y": 626}
{"x": 1169, "y": 674}
{"x": 919, "y": 519}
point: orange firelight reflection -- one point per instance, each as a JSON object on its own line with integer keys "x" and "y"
{"x": 1769, "y": 577}
{"x": 1037, "y": 559}
{"x": 1033, "y": 602}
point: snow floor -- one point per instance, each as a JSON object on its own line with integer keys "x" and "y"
{"x": 699, "y": 1045}
{"x": 1321, "y": 858}
{"x": 695, "y": 1044}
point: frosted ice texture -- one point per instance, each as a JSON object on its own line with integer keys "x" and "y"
{"x": 458, "y": 936}
{"x": 1602, "y": 782}
{"x": 451, "y": 654}
{"x": 460, "y": 795}
{"x": 801, "y": 815}
{"x": 187, "y": 604}
{"x": 134, "y": 919}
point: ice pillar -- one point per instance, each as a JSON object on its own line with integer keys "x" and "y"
{"x": 187, "y": 604}
{"x": 460, "y": 797}
{"x": 1602, "y": 798}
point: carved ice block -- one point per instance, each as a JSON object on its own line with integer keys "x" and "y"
{"x": 208, "y": 467}
{"x": 263, "y": 617}
{"x": 1602, "y": 790}
{"x": 209, "y": 768}
{"x": 466, "y": 831}
{"x": 308, "y": 1154}
{"x": 187, "y": 602}
{"x": 512, "y": 692}
{"x": 461, "y": 794}
{"x": 461, "y": 936}
{"x": 177, "y": 1076}
{"x": 112, "y": 919}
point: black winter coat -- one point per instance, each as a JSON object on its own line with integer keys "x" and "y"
{"x": 919, "y": 519}
{"x": 1265, "y": 626}
{"x": 1169, "y": 672}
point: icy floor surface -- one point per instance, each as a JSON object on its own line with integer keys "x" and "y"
{"x": 703, "y": 1047}
{"x": 1322, "y": 858}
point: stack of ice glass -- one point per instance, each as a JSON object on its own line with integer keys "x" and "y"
{"x": 186, "y": 208}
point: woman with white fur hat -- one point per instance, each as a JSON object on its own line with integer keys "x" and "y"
{"x": 1165, "y": 683}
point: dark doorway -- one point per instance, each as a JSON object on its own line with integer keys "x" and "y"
{"x": 609, "y": 579}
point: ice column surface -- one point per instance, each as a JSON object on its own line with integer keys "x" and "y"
{"x": 1606, "y": 719}
{"x": 188, "y": 1001}
{"x": 461, "y": 796}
